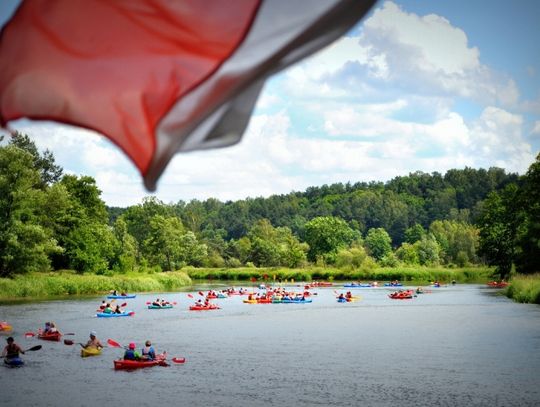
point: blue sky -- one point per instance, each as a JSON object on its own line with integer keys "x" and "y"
{"x": 417, "y": 85}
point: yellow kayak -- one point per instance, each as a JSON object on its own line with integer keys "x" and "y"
{"x": 6, "y": 327}
{"x": 250, "y": 301}
{"x": 90, "y": 352}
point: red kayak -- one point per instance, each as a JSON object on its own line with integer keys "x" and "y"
{"x": 203, "y": 308}
{"x": 122, "y": 364}
{"x": 495, "y": 284}
{"x": 50, "y": 336}
{"x": 403, "y": 295}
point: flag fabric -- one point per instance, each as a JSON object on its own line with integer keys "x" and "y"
{"x": 155, "y": 76}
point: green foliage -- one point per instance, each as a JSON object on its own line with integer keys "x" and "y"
{"x": 408, "y": 254}
{"x": 458, "y": 241}
{"x": 378, "y": 243}
{"x": 499, "y": 224}
{"x": 41, "y": 285}
{"x": 414, "y": 233}
{"x": 428, "y": 251}
{"x": 525, "y": 288}
{"x": 326, "y": 235}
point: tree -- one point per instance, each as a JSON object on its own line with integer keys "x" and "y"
{"x": 499, "y": 226}
{"x": 528, "y": 255}
{"x": 50, "y": 173}
{"x": 25, "y": 240}
{"x": 326, "y": 235}
{"x": 378, "y": 243}
{"x": 408, "y": 254}
{"x": 414, "y": 233}
{"x": 428, "y": 251}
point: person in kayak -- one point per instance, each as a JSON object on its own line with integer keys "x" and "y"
{"x": 118, "y": 310}
{"x": 131, "y": 353}
{"x": 157, "y": 303}
{"x": 12, "y": 350}
{"x": 52, "y": 328}
{"x": 114, "y": 292}
{"x": 148, "y": 352}
{"x": 103, "y": 305}
{"x": 93, "y": 342}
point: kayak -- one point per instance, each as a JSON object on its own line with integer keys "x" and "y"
{"x": 122, "y": 364}
{"x": 250, "y": 301}
{"x": 352, "y": 285}
{"x": 203, "y": 308}
{"x": 221, "y": 295}
{"x": 112, "y": 315}
{"x": 17, "y": 361}
{"x": 90, "y": 352}
{"x": 160, "y": 306}
{"x": 119, "y": 297}
{"x": 393, "y": 285}
{"x": 342, "y": 300}
{"x": 51, "y": 336}
{"x": 405, "y": 295}
{"x": 5, "y": 327}
{"x": 306, "y": 301}
{"x": 495, "y": 284}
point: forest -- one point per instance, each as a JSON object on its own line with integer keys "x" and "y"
{"x": 54, "y": 221}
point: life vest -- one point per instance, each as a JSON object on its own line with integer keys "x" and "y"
{"x": 149, "y": 351}
{"x": 130, "y": 355}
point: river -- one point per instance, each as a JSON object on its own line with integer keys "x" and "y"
{"x": 457, "y": 346}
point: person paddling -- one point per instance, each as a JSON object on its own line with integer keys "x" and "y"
{"x": 148, "y": 352}
{"x": 12, "y": 350}
{"x": 131, "y": 353}
{"x": 93, "y": 342}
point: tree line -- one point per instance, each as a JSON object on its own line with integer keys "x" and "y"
{"x": 52, "y": 221}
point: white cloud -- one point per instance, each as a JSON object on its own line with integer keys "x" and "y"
{"x": 536, "y": 128}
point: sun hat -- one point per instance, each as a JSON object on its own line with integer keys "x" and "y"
{"x": 92, "y": 333}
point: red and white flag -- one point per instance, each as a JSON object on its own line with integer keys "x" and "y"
{"x": 157, "y": 76}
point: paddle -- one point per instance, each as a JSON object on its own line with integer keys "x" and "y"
{"x": 190, "y": 296}
{"x": 33, "y": 348}
{"x": 179, "y": 360}
{"x": 114, "y": 344}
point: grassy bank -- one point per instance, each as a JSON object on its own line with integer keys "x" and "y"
{"x": 43, "y": 285}
{"x": 524, "y": 288}
{"x": 461, "y": 275}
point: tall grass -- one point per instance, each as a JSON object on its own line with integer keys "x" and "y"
{"x": 462, "y": 275}
{"x": 525, "y": 288}
{"x": 41, "y": 285}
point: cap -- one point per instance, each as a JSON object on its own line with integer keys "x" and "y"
{"x": 92, "y": 333}
{"x": 132, "y": 345}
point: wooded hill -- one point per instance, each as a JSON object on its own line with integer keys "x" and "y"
{"x": 51, "y": 221}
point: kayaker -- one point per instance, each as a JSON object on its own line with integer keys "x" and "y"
{"x": 131, "y": 353}
{"x": 118, "y": 310}
{"x": 157, "y": 303}
{"x": 148, "y": 352}
{"x": 108, "y": 309}
{"x": 47, "y": 328}
{"x": 103, "y": 305}
{"x": 114, "y": 292}
{"x": 53, "y": 328}
{"x": 93, "y": 342}
{"x": 12, "y": 350}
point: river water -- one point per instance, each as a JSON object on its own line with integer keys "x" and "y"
{"x": 457, "y": 346}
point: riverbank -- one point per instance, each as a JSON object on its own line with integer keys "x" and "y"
{"x": 524, "y": 288}
{"x": 47, "y": 285}
{"x": 417, "y": 274}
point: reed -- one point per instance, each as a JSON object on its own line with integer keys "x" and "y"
{"x": 524, "y": 288}
{"x": 417, "y": 274}
{"x": 43, "y": 285}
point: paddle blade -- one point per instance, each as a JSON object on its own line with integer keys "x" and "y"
{"x": 68, "y": 342}
{"x": 114, "y": 344}
{"x": 29, "y": 334}
{"x": 124, "y": 304}
{"x": 131, "y": 313}
{"x": 33, "y": 348}
{"x": 174, "y": 303}
{"x": 179, "y": 360}
{"x": 201, "y": 293}
{"x": 190, "y": 296}
{"x": 70, "y": 333}
{"x": 148, "y": 303}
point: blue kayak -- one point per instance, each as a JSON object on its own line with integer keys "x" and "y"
{"x": 111, "y": 315}
{"x": 288, "y": 301}
{"x": 120, "y": 297}
{"x": 393, "y": 285}
{"x": 168, "y": 306}
{"x": 352, "y": 285}
{"x": 14, "y": 361}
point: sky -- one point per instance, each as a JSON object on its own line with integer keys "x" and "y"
{"x": 417, "y": 85}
